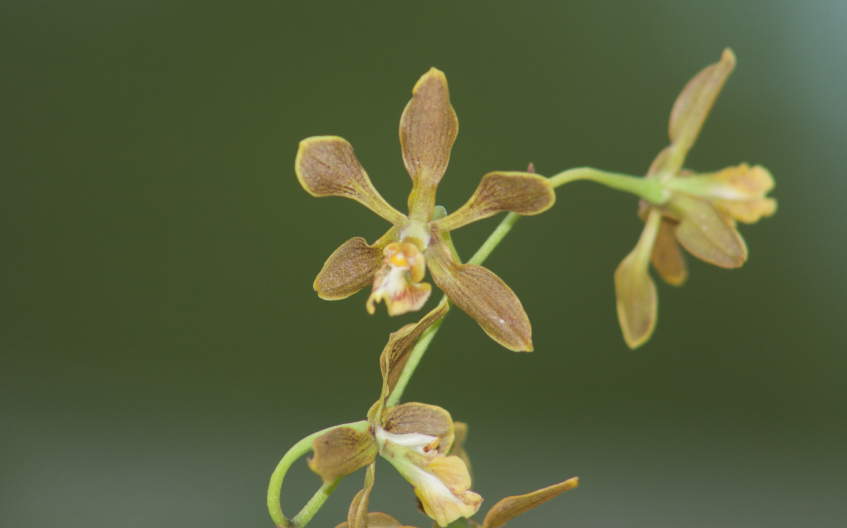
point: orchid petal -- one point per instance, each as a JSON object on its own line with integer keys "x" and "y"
{"x": 357, "y": 515}
{"x": 519, "y": 192}
{"x": 706, "y": 233}
{"x": 327, "y": 166}
{"x": 422, "y": 419}
{"x": 483, "y": 295}
{"x": 667, "y": 257}
{"x": 690, "y": 111}
{"x": 428, "y": 128}
{"x": 400, "y": 344}
{"x": 379, "y": 520}
{"x": 635, "y": 290}
{"x": 511, "y": 507}
{"x": 342, "y": 451}
{"x": 352, "y": 267}
{"x": 460, "y": 434}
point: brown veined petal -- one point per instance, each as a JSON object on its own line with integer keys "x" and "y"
{"x": 421, "y": 418}
{"x": 342, "y": 451}
{"x": 352, "y": 266}
{"x": 379, "y": 520}
{"x": 511, "y": 507}
{"x": 667, "y": 256}
{"x": 691, "y": 108}
{"x": 357, "y": 515}
{"x": 327, "y": 166}
{"x": 706, "y": 233}
{"x": 483, "y": 295}
{"x": 428, "y": 128}
{"x": 400, "y": 344}
{"x": 635, "y": 291}
{"x": 519, "y": 192}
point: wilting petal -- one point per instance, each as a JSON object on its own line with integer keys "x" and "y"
{"x": 690, "y": 111}
{"x": 706, "y": 233}
{"x": 379, "y": 520}
{"x": 352, "y": 267}
{"x": 635, "y": 290}
{"x": 400, "y": 345}
{"x": 428, "y": 128}
{"x": 326, "y": 166}
{"x": 422, "y": 419}
{"x": 667, "y": 257}
{"x": 519, "y": 192}
{"x": 511, "y": 507}
{"x": 342, "y": 451}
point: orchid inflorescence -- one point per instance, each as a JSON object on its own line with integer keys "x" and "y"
{"x": 679, "y": 208}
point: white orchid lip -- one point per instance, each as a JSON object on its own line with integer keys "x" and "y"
{"x": 419, "y": 442}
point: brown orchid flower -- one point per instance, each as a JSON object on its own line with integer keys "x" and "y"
{"x": 417, "y": 439}
{"x": 396, "y": 263}
{"x": 700, "y": 212}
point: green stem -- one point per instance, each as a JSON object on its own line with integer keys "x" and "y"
{"x": 649, "y": 189}
{"x": 274, "y": 488}
{"x": 427, "y": 336}
{"x": 414, "y": 358}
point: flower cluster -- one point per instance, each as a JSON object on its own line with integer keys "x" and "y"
{"x": 679, "y": 207}
{"x": 699, "y": 213}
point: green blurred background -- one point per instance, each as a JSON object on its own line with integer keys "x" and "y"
{"x": 160, "y": 343}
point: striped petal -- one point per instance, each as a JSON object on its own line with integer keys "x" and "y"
{"x": 352, "y": 267}
{"x": 342, "y": 451}
{"x": 327, "y": 166}
{"x": 511, "y": 507}
{"x": 519, "y": 192}
{"x": 706, "y": 233}
{"x": 483, "y": 295}
{"x": 428, "y": 128}
{"x": 357, "y": 515}
{"x": 421, "y": 418}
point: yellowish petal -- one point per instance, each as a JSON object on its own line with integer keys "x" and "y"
{"x": 636, "y": 293}
{"x": 357, "y": 515}
{"x": 519, "y": 192}
{"x": 352, "y": 267}
{"x": 327, "y": 166}
{"x": 400, "y": 344}
{"x": 706, "y": 233}
{"x": 483, "y": 296}
{"x": 511, "y": 507}
{"x": 428, "y": 128}
{"x": 667, "y": 257}
{"x": 379, "y": 520}
{"x": 342, "y": 451}
{"x": 423, "y": 419}
{"x": 688, "y": 114}
{"x": 460, "y": 434}
{"x": 694, "y": 103}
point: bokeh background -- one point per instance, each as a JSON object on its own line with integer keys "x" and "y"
{"x": 160, "y": 343}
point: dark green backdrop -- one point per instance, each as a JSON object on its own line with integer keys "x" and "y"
{"x": 160, "y": 343}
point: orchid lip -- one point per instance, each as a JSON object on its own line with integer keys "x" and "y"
{"x": 415, "y": 441}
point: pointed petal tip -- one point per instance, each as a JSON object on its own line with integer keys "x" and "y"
{"x": 728, "y": 56}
